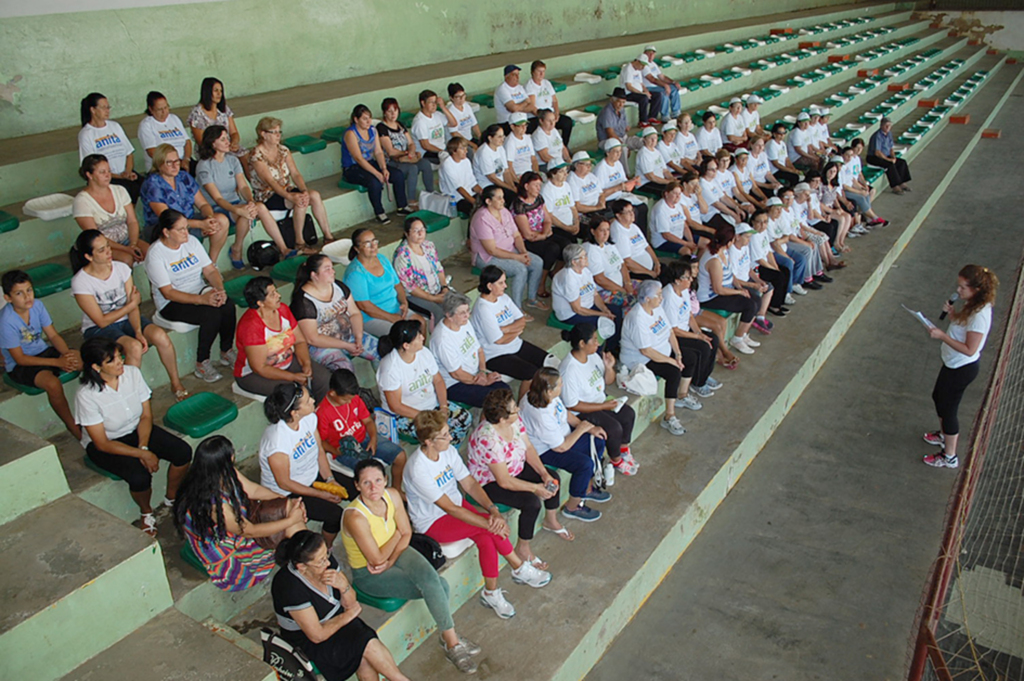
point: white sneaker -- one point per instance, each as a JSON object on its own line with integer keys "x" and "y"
{"x": 690, "y": 402}
{"x": 799, "y": 290}
{"x": 672, "y": 425}
{"x": 739, "y": 344}
{"x": 495, "y": 600}
{"x": 531, "y": 576}
{"x": 790, "y": 300}
{"x": 751, "y": 342}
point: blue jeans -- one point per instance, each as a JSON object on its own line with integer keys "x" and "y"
{"x": 386, "y": 452}
{"x": 577, "y": 462}
{"x": 356, "y": 175}
{"x": 521, "y": 278}
{"x": 799, "y": 269}
{"x": 472, "y": 394}
{"x": 669, "y": 100}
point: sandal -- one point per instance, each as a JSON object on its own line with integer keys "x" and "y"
{"x": 536, "y": 304}
{"x": 562, "y": 532}
{"x": 180, "y": 395}
{"x": 529, "y": 318}
{"x": 731, "y": 364}
{"x": 149, "y": 524}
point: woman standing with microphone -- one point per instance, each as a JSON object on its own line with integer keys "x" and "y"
{"x": 961, "y": 352}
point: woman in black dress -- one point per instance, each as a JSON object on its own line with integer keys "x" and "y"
{"x": 318, "y": 613}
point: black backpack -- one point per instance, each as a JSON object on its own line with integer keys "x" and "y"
{"x": 290, "y": 663}
{"x": 429, "y": 548}
{"x": 262, "y": 254}
{"x": 287, "y": 227}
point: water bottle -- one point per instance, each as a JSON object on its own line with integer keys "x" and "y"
{"x": 609, "y": 474}
{"x": 453, "y": 209}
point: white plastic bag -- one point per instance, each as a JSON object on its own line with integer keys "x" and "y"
{"x": 439, "y": 203}
{"x": 639, "y": 381}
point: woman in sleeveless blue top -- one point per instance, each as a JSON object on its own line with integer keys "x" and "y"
{"x": 716, "y": 289}
{"x": 362, "y": 162}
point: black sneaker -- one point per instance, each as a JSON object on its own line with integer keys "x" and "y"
{"x": 824, "y": 278}
{"x": 813, "y": 285}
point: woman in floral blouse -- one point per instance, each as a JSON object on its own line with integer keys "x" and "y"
{"x": 420, "y": 270}
{"x": 534, "y": 223}
{"x": 509, "y": 469}
{"x": 211, "y": 109}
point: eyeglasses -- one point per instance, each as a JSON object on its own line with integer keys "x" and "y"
{"x": 443, "y": 436}
{"x": 273, "y": 132}
{"x": 370, "y": 242}
{"x": 175, "y": 162}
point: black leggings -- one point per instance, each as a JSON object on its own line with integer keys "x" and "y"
{"x": 528, "y": 503}
{"x": 549, "y": 250}
{"x": 779, "y": 279}
{"x": 747, "y": 307}
{"x": 949, "y": 390}
{"x": 162, "y": 444}
{"x": 211, "y": 321}
{"x": 829, "y": 228}
{"x": 785, "y": 177}
{"x": 617, "y": 425}
{"x": 521, "y": 365}
{"x": 670, "y": 372}
{"x": 324, "y": 511}
{"x": 702, "y": 357}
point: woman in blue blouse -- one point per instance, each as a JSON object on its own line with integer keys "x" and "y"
{"x": 375, "y": 286}
{"x": 363, "y": 162}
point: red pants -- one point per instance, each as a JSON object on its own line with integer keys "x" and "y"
{"x": 450, "y": 529}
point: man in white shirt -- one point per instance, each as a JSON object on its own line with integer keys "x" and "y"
{"x": 430, "y": 126}
{"x": 752, "y": 118}
{"x": 511, "y": 97}
{"x": 544, "y": 97}
{"x": 778, "y": 155}
{"x": 632, "y": 78}
{"x": 800, "y": 143}
{"x": 660, "y": 83}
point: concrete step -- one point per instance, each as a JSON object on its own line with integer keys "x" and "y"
{"x": 75, "y": 580}
{"x": 30, "y": 472}
{"x": 173, "y": 647}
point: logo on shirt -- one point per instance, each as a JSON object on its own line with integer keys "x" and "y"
{"x": 170, "y": 134}
{"x": 181, "y": 265}
{"x": 467, "y": 345}
{"x": 504, "y": 316}
{"x": 659, "y": 326}
{"x": 421, "y": 382}
{"x": 615, "y": 178}
{"x": 564, "y": 200}
{"x": 636, "y": 239}
{"x": 586, "y": 289}
{"x": 108, "y": 140}
{"x": 444, "y": 477}
{"x": 307, "y": 443}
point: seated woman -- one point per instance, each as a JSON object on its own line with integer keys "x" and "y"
{"x": 466, "y": 125}
{"x": 161, "y": 126}
{"x": 328, "y": 316}
{"x": 401, "y": 153}
{"x": 100, "y": 135}
{"x": 768, "y": 267}
{"x": 507, "y": 466}
{"x": 410, "y": 382}
{"x": 319, "y": 614}
{"x": 611, "y": 274}
{"x": 458, "y": 182}
{"x": 375, "y": 286}
{"x": 687, "y": 144}
{"x": 292, "y": 456}
{"x": 585, "y": 373}
{"x": 347, "y": 429}
{"x": 490, "y": 163}
{"x": 830, "y": 202}
{"x": 855, "y": 190}
{"x": 669, "y": 228}
{"x": 671, "y": 153}
{"x": 575, "y": 299}
{"x": 696, "y": 208}
{"x": 376, "y": 533}
{"x": 712, "y": 323}
{"x": 499, "y": 326}
{"x": 519, "y": 147}
{"x": 214, "y": 512}
{"x": 437, "y": 509}
{"x": 535, "y": 227}
{"x": 278, "y": 184}
{"x": 547, "y": 140}
{"x": 647, "y": 339}
{"x": 420, "y": 270}
{"x": 761, "y": 170}
{"x": 271, "y": 347}
{"x": 564, "y": 441}
{"x": 363, "y": 162}
{"x": 744, "y": 274}
{"x": 587, "y": 194}
{"x": 177, "y": 266}
{"x": 631, "y": 243}
{"x": 107, "y": 207}
{"x": 698, "y": 347}
{"x": 494, "y": 240}
{"x": 720, "y": 206}
{"x": 615, "y": 183}
{"x": 118, "y": 433}
{"x": 558, "y": 201}
{"x": 212, "y": 109}
{"x": 652, "y": 172}
{"x": 460, "y": 356}
{"x": 224, "y": 186}
{"x": 745, "y": 190}
{"x": 717, "y": 290}
{"x": 106, "y": 292}
{"x": 169, "y": 187}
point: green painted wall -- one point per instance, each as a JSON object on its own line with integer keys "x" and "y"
{"x": 48, "y": 63}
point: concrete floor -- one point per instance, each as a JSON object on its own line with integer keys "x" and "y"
{"x": 813, "y": 567}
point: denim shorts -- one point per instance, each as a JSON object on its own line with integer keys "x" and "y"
{"x": 115, "y": 330}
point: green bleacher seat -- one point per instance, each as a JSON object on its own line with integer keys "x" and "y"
{"x": 287, "y": 269}
{"x": 304, "y": 144}
{"x": 483, "y": 100}
{"x": 502, "y": 508}
{"x": 190, "y": 557}
{"x": 91, "y": 465}
{"x": 49, "y": 278}
{"x": 475, "y": 271}
{"x": 556, "y": 323}
{"x": 872, "y": 174}
{"x": 385, "y": 604}
{"x": 720, "y": 313}
{"x": 201, "y": 414}
{"x": 593, "y": 108}
{"x": 334, "y": 134}
{"x": 8, "y": 222}
{"x": 235, "y": 289}
{"x": 65, "y": 377}
{"x": 433, "y": 221}
{"x": 665, "y": 254}
{"x": 405, "y": 118}
{"x": 342, "y": 184}
{"x": 559, "y": 87}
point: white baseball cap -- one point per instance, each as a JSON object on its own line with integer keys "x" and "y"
{"x": 517, "y": 118}
{"x": 610, "y": 143}
{"x": 774, "y": 201}
{"x": 671, "y": 125}
{"x": 802, "y": 187}
{"x": 735, "y": 100}
{"x": 803, "y": 116}
{"x": 650, "y": 48}
{"x": 754, "y": 99}
{"x": 581, "y": 156}
{"x": 649, "y": 130}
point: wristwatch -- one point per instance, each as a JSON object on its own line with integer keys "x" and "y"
{"x": 144, "y": 448}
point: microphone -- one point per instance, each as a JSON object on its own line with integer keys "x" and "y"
{"x": 952, "y": 299}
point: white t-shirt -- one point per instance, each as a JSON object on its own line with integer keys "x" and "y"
{"x": 733, "y": 125}
{"x": 487, "y": 161}
{"x": 118, "y": 410}
{"x": 551, "y": 141}
{"x": 727, "y": 181}
{"x": 298, "y": 445}
{"x": 745, "y": 177}
{"x": 979, "y": 322}
{"x": 759, "y": 247}
{"x": 605, "y": 260}
{"x": 426, "y": 481}
{"x": 821, "y": 134}
{"x": 631, "y": 244}
{"x": 455, "y": 350}
{"x": 775, "y": 230}
{"x": 455, "y": 174}
{"x": 739, "y": 260}
{"x": 569, "y": 285}
{"x": 504, "y": 94}
{"x": 547, "y": 427}
{"x": 465, "y": 119}
{"x": 670, "y": 153}
{"x": 432, "y": 128}
{"x": 678, "y": 309}
{"x": 789, "y": 221}
{"x": 582, "y": 381}
{"x": 110, "y": 293}
{"x": 651, "y": 69}
{"x": 113, "y": 225}
{"x": 181, "y": 267}
{"x": 558, "y": 201}
{"x": 847, "y": 174}
{"x": 520, "y": 153}
{"x": 709, "y": 140}
{"x": 776, "y": 151}
{"x": 586, "y": 190}
{"x": 110, "y": 140}
{"x": 415, "y": 380}
{"x": 687, "y": 145}
{"x": 631, "y": 76}
{"x": 651, "y": 161}
{"x": 543, "y": 94}
{"x": 760, "y": 166}
{"x": 488, "y": 318}
{"x": 855, "y": 165}
{"x": 644, "y": 331}
{"x": 711, "y": 190}
{"x": 751, "y": 119}
{"x": 666, "y": 219}
{"x": 798, "y": 138}
{"x": 153, "y": 133}
{"x": 609, "y": 175}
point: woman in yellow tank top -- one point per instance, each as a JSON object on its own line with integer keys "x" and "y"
{"x": 375, "y": 533}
